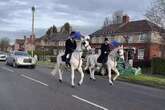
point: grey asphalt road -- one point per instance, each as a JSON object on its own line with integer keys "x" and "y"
{"x": 36, "y": 89}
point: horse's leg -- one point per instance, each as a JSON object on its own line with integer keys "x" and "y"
{"x": 92, "y": 72}
{"x": 72, "y": 76}
{"x": 87, "y": 64}
{"x": 60, "y": 74}
{"x": 109, "y": 74}
{"x": 116, "y": 72}
{"x": 82, "y": 76}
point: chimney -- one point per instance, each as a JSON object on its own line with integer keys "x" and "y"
{"x": 125, "y": 19}
{"x": 24, "y": 37}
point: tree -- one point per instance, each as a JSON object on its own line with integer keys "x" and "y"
{"x": 4, "y": 43}
{"x": 48, "y": 32}
{"x": 54, "y": 29}
{"x": 66, "y": 28}
{"x": 117, "y": 16}
{"x": 107, "y": 22}
{"x": 156, "y": 13}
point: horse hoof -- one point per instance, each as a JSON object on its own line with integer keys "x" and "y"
{"x": 60, "y": 80}
{"x": 110, "y": 82}
{"x": 79, "y": 84}
{"x": 73, "y": 86}
{"x": 94, "y": 79}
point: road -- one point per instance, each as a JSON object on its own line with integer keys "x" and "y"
{"x": 37, "y": 89}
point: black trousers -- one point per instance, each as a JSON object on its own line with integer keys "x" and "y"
{"x": 67, "y": 59}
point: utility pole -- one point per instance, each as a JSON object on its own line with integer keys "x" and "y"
{"x": 33, "y": 33}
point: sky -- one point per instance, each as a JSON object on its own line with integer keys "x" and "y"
{"x": 85, "y": 16}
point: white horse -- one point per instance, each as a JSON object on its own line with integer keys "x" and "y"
{"x": 111, "y": 64}
{"x": 75, "y": 61}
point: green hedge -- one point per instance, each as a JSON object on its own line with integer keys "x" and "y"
{"x": 40, "y": 53}
{"x": 53, "y": 59}
{"x": 158, "y": 66}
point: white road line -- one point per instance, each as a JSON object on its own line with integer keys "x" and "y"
{"x": 7, "y": 69}
{"x": 91, "y": 103}
{"x": 34, "y": 80}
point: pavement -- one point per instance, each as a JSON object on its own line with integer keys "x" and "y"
{"x": 36, "y": 89}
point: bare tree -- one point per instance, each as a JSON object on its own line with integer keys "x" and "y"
{"x": 4, "y": 44}
{"x": 117, "y": 16}
{"x": 156, "y": 13}
{"x": 107, "y": 22}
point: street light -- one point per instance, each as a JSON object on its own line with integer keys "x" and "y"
{"x": 33, "y": 34}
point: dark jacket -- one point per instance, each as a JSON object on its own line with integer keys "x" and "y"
{"x": 70, "y": 46}
{"x": 105, "y": 49}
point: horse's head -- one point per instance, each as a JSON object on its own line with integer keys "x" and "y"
{"x": 118, "y": 51}
{"x": 85, "y": 43}
{"x": 121, "y": 52}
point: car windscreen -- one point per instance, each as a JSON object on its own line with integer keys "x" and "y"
{"x": 21, "y": 53}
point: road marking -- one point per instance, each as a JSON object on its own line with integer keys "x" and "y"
{"x": 7, "y": 69}
{"x": 91, "y": 103}
{"x": 34, "y": 80}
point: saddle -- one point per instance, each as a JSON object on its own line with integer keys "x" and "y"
{"x": 63, "y": 58}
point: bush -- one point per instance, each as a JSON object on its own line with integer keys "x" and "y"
{"x": 158, "y": 66}
{"x": 53, "y": 59}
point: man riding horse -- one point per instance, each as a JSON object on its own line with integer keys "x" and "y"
{"x": 70, "y": 46}
{"x": 105, "y": 50}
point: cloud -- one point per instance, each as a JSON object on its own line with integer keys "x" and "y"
{"x": 85, "y": 15}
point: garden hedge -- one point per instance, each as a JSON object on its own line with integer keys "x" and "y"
{"x": 158, "y": 66}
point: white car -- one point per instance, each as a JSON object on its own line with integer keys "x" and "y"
{"x": 3, "y": 56}
{"x": 20, "y": 58}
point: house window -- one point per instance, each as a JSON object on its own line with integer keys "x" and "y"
{"x": 142, "y": 37}
{"x": 141, "y": 54}
{"x": 130, "y": 40}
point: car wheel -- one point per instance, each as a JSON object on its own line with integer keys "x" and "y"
{"x": 32, "y": 66}
{"x": 14, "y": 64}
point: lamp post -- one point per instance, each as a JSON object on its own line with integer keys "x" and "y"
{"x": 33, "y": 33}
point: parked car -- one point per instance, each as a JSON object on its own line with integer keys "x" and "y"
{"x": 20, "y": 58}
{"x": 3, "y": 56}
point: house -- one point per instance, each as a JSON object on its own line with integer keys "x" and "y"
{"x": 29, "y": 45}
{"x": 147, "y": 38}
{"x": 54, "y": 42}
{"x": 19, "y": 44}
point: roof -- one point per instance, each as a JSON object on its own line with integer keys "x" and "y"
{"x": 140, "y": 26}
{"x": 106, "y": 30}
{"x": 20, "y": 41}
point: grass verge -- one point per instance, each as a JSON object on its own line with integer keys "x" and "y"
{"x": 148, "y": 80}
{"x": 46, "y": 64}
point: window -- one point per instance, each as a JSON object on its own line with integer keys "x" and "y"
{"x": 130, "y": 39}
{"x": 141, "y": 54}
{"x": 142, "y": 37}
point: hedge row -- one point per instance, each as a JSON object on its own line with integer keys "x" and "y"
{"x": 158, "y": 66}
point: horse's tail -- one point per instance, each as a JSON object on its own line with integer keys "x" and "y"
{"x": 54, "y": 71}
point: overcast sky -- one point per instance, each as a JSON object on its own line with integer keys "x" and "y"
{"x": 84, "y": 15}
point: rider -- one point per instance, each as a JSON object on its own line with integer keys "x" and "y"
{"x": 105, "y": 50}
{"x": 70, "y": 46}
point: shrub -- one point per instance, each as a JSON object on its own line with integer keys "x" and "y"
{"x": 158, "y": 66}
{"x": 53, "y": 59}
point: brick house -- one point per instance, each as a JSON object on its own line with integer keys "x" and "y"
{"x": 19, "y": 44}
{"x": 147, "y": 38}
{"x": 54, "y": 42}
{"x": 29, "y": 44}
